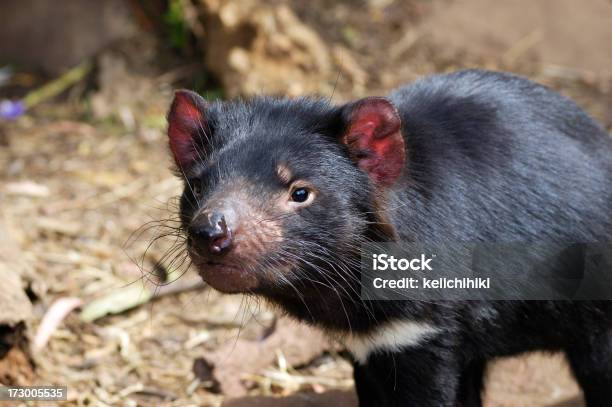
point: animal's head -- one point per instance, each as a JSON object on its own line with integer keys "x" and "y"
{"x": 280, "y": 193}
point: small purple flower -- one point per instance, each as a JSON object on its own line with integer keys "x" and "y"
{"x": 11, "y": 109}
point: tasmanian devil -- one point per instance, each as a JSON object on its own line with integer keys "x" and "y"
{"x": 280, "y": 194}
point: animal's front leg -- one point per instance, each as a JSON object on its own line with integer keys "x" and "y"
{"x": 417, "y": 377}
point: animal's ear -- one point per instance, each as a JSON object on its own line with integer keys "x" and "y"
{"x": 372, "y": 133}
{"x": 187, "y": 127}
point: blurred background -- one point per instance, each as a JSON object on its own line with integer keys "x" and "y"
{"x": 96, "y": 294}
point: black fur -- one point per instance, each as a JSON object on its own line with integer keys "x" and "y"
{"x": 490, "y": 157}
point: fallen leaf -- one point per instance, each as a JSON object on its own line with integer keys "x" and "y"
{"x": 118, "y": 301}
{"x": 235, "y": 359}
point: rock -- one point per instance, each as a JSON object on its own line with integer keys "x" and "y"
{"x": 15, "y": 306}
{"x": 15, "y": 312}
{"x": 254, "y": 48}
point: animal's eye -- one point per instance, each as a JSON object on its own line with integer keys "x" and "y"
{"x": 299, "y": 195}
{"x": 196, "y": 187}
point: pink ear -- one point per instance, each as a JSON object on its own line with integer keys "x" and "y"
{"x": 186, "y": 127}
{"x": 374, "y": 139}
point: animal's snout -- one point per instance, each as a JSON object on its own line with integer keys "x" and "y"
{"x": 211, "y": 232}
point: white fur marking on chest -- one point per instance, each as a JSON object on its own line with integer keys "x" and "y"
{"x": 389, "y": 337}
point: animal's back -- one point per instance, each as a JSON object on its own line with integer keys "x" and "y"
{"x": 496, "y": 157}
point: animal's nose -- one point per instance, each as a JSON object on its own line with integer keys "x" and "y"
{"x": 210, "y": 229}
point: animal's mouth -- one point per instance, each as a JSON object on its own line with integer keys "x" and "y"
{"x": 227, "y": 278}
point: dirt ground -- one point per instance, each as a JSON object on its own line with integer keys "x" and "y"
{"x": 87, "y": 192}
